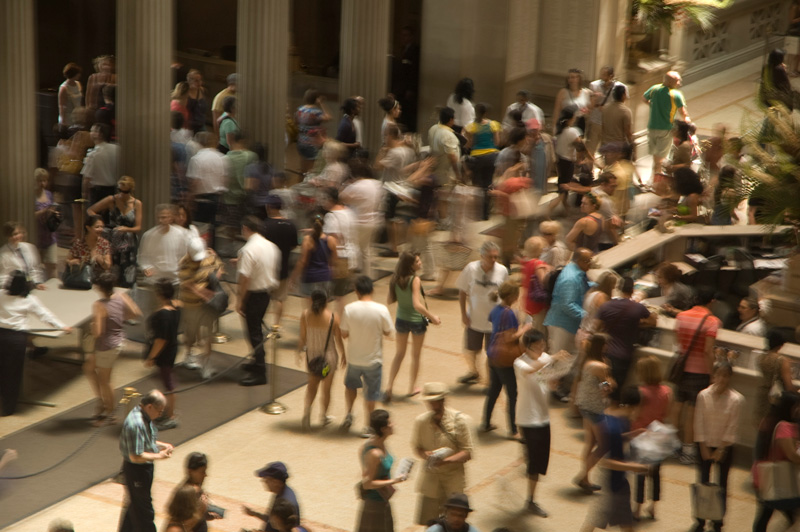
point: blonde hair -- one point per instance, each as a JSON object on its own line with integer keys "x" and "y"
{"x": 648, "y": 369}
{"x": 127, "y": 180}
{"x": 606, "y": 283}
{"x": 509, "y": 290}
{"x": 181, "y": 89}
{"x": 334, "y": 149}
{"x": 41, "y": 174}
{"x": 550, "y": 226}
{"x": 533, "y": 247}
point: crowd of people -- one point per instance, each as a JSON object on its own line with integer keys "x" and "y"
{"x": 548, "y": 332}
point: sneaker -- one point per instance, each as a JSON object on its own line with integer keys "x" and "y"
{"x": 347, "y": 423}
{"x": 469, "y": 378}
{"x": 687, "y": 458}
{"x": 366, "y": 432}
{"x": 326, "y": 420}
{"x": 191, "y": 362}
{"x": 207, "y": 372}
{"x": 535, "y": 509}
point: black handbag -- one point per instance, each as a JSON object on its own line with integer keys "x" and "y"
{"x": 77, "y": 277}
{"x": 219, "y": 301}
{"x": 679, "y": 363}
{"x": 319, "y": 364}
{"x": 52, "y": 220}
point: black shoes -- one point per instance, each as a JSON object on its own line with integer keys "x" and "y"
{"x": 253, "y": 380}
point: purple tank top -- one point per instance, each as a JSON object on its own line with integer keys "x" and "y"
{"x": 113, "y": 334}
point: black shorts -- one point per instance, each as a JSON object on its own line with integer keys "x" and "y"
{"x": 537, "y": 445}
{"x": 473, "y": 340}
{"x": 414, "y": 327}
{"x": 692, "y": 384}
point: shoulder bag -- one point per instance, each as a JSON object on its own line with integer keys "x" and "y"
{"x": 504, "y": 349}
{"x": 77, "y": 277}
{"x": 679, "y": 361}
{"x": 318, "y": 365}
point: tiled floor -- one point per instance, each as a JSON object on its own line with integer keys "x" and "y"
{"x": 324, "y": 464}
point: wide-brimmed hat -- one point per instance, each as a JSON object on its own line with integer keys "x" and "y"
{"x": 434, "y": 391}
{"x": 458, "y": 500}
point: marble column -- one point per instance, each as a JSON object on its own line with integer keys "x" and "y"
{"x": 144, "y": 55}
{"x": 18, "y": 143}
{"x": 364, "y": 51}
{"x": 262, "y": 64}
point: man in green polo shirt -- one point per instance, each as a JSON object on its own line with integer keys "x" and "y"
{"x": 665, "y": 101}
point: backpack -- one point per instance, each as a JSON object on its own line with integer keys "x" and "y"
{"x": 536, "y": 292}
{"x": 550, "y": 285}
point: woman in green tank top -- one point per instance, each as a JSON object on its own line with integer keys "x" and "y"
{"x": 413, "y": 317}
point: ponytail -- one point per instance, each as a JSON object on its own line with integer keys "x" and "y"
{"x": 319, "y": 300}
{"x": 566, "y": 115}
{"x": 316, "y": 229}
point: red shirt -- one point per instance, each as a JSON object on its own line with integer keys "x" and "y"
{"x": 686, "y": 324}
{"x": 528, "y": 269}
{"x": 654, "y": 405}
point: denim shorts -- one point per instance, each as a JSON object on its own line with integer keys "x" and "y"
{"x": 370, "y": 377}
{"x": 307, "y": 151}
{"x": 404, "y": 326}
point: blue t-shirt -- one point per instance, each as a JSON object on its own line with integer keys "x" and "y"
{"x": 288, "y": 495}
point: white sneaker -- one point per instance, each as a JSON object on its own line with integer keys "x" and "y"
{"x": 207, "y": 372}
{"x": 190, "y": 362}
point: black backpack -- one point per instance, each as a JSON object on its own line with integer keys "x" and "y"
{"x": 550, "y": 284}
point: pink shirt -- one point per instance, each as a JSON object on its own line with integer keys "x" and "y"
{"x": 654, "y": 405}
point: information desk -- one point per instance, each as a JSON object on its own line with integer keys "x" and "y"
{"x": 72, "y": 307}
{"x": 672, "y": 247}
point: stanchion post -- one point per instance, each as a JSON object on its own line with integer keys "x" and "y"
{"x": 273, "y": 407}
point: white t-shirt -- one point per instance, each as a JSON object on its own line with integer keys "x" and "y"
{"x": 464, "y": 111}
{"x": 100, "y": 165}
{"x": 394, "y": 161}
{"x": 532, "y": 391}
{"x": 565, "y": 143}
{"x": 365, "y": 196}
{"x": 341, "y": 224}
{"x": 529, "y": 111}
{"x": 367, "y": 322}
{"x": 208, "y": 169}
{"x": 479, "y": 285}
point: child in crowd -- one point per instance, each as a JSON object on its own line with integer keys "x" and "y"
{"x": 655, "y": 405}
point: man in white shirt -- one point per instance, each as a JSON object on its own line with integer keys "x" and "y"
{"x": 533, "y": 415}
{"x": 258, "y": 272}
{"x": 369, "y": 322}
{"x": 601, "y": 96}
{"x": 100, "y": 167}
{"x": 19, "y": 255}
{"x": 524, "y": 106}
{"x": 445, "y": 148}
{"x": 478, "y": 280}
{"x": 206, "y": 172}
{"x": 365, "y": 197}
{"x": 162, "y": 247}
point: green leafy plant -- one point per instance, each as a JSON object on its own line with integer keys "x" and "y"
{"x": 654, "y": 15}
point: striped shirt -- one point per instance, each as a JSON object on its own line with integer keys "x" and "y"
{"x": 686, "y": 324}
{"x": 138, "y": 435}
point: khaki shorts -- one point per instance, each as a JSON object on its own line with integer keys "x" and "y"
{"x": 105, "y": 359}
{"x": 282, "y": 292}
{"x": 49, "y": 255}
{"x": 659, "y": 142}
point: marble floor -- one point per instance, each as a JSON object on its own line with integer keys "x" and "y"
{"x": 324, "y": 464}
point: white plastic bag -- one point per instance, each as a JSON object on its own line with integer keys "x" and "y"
{"x": 659, "y": 442}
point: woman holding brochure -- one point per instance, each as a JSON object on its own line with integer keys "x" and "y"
{"x": 377, "y": 487}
